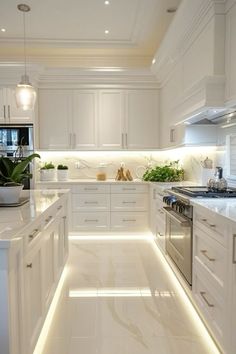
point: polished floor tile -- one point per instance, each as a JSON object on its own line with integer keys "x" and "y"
{"x": 119, "y": 298}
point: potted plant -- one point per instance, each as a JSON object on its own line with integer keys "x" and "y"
{"x": 12, "y": 174}
{"x": 62, "y": 173}
{"x": 167, "y": 173}
{"x": 47, "y": 172}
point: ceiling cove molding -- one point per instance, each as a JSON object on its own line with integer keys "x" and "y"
{"x": 82, "y": 61}
{"x": 183, "y": 31}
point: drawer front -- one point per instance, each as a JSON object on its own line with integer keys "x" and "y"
{"x": 129, "y": 221}
{"x": 213, "y": 257}
{"x": 129, "y": 202}
{"x": 90, "y": 221}
{"x": 160, "y": 234}
{"x": 211, "y": 305}
{"x": 32, "y": 236}
{"x": 90, "y": 202}
{"x": 90, "y": 188}
{"x": 212, "y": 224}
{"x": 129, "y": 188}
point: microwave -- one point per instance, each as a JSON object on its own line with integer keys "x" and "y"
{"x": 11, "y": 136}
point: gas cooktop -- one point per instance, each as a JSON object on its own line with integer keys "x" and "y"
{"x": 202, "y": 192}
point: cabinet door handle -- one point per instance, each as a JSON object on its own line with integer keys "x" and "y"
{"x": 70, "y": 140}
{"x": 126, "y": 140}
{"x": 234, "y": 246}
{"x": 59, "y": 208}
{"x": 34, "y": 233}
{"x": 30, "y": 265}
{"x": 90, "y": 189}
{"x": 122, "y": 140}
{"x": 203, "y": 295}
{"x": 48, "y": 219}
{"x": 129, "y": 189}
{"x": 90, "y": 202}
{"x": 74, "y": 140}
{"x": 172, "y": 139}
{"x": 207, "y": 223}
{"x": 160, "y": 234}
{"x": 91, "y": 220}
{"x": 4, "y": 111}
{"x": 154, "y": 194}
{"x": 9, "y": 111}
{"x": 131, "y": 202}
{"x": 204, "y": 252}
{"x": 129, "y": 220}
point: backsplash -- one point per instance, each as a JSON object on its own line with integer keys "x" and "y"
{"x": 86, "y": 164}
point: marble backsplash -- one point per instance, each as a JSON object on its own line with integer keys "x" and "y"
{"x": 87, "y": 164}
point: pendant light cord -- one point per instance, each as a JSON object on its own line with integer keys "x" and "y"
{"x": 24, "y": 42}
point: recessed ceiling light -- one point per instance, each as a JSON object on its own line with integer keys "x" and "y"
{"x": 171, "y": 10}
{"x": 107, "y": 2}
{"x": 3, "y": 29}
{"x": 153, "y": 61}
{"x": 106, "y": 31}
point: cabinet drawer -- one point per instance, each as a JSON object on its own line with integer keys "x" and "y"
{"x": 212, "y": 257}
{"x": 212, "y": 224}
{"x": 129, "y": 202}
{"x": 91, "y": 188}
{"x": 87, "y": 202}
{"x": 90, "y": 221}
{"x": 129, "y": 188}
{"x": 211, "y": 305}
{"x": 129, "y": 221}
{"x": 32, "y": 236}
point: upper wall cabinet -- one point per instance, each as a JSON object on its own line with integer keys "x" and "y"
{"x": 98, "y": 119}
{"x": 230, "y": 66}
{"x": 67, "y": 119}
{"x": 9, "y": 113}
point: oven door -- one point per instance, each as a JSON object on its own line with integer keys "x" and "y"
{"x": 179, "y": 241}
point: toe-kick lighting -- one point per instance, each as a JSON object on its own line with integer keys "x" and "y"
{"x": 142, "y": 237}
{"x": 197, "y": 322}
{"x": 50, "y": 315}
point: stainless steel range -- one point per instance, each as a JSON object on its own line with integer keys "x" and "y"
{"x": 179, "y": 223}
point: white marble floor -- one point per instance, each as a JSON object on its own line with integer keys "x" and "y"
{"x": 119, "y": 297}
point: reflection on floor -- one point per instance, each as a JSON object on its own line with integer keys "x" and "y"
{"x": 119, "y": 297}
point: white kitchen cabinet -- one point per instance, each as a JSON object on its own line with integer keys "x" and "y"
{"x": 9, "y": 112}
{"x": 33, "y": 296}
{"x": 67, "y": 119}
{"x": 230, "y": 67}
{"x": 84, "y": 119}
{"x": 142, "y": 119}
{"x": 111, "y": 119}
{"x": 55, "y": 111}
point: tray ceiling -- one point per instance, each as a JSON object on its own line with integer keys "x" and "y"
{"x": 73, "y": 31}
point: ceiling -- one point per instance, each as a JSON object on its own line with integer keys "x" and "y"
{"x": 72, "y": 32}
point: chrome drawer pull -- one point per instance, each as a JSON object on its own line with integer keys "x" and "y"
{"x": 59, "y": 208}
{"x": 30, "y": 265}
{"x": 90, "y": 189}
{"x": 34, "y": 233}
{"x": 129, "y": 202}
{"x": 207, "y": 223}
{"x": 90, "y": 202}
{"x": 129, "y": 220}
{"x": 129, "y": 189}
{"x": 48, "y": 219}
{"x": 160, "y": 235}
{"x": 204, "y": 252}
{"x": 203, "y": 295}
{"x": 91, "y": 220}
{"x": 234, "y": 246}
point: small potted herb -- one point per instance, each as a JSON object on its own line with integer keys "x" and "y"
{"x": 47, "y": 172}
{"x": 167, "y": 173}
{"x": 62, "y": 173}
{"x": 12, "y": 174}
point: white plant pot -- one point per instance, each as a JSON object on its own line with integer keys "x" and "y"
{"x": 62, "y": 175}
{"x": 47, "y": 175}
{"x": 10, "y": 195}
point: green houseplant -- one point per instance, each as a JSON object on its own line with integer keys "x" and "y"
{"x": 62, "y": 172}
{"x": 47, "y": 172}
{"x": 167, "y": 173}
{"x": 12, "y": 174}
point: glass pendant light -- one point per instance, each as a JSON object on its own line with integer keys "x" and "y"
{"x": 25, "y": 92}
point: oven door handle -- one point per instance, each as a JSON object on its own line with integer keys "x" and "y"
{"x": 179, "y": 219}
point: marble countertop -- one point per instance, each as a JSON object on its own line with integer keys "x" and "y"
{"x": 225, "y": 207}
{"x": 87, "y": 180}
{"x": 14, "y": 220}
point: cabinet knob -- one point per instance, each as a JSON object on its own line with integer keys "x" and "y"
{"x": 30, "y": 265}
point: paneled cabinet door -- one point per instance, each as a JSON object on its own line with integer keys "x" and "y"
{"x": 2, "y": 105}
{"x": 84, "y": 125}
{"x": 55, "y": 116}
{"x": 231, "y": 54}
{"x": 111, "y": 119}
{"x": 142, "y": 119}
{"x": 14, "y": 114}
{"x": 33, "y": 304}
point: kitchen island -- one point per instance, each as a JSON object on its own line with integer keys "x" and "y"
{"x": 33, "y": 252}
